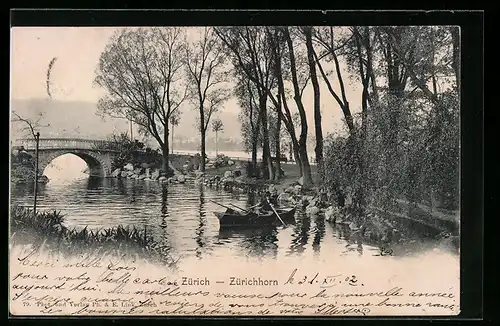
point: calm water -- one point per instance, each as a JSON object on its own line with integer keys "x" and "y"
{"x": 181, "y": 216}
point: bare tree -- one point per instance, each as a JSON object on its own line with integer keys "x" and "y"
{"x": 298, "y": 91}
{"x": 205, "y": 62}
{"x": 263, "y": 57}
{"x": 142, "y": 72}
{"x": 258, "y": 56}
{"x": 32, "y": 126}
{"x": 324, "y": 36}
{"x": 217, "y": 126}
{"x": 249, "y": 115}
{"x": 29, "y": 126}
{"x": 308, "y": 32}
{"x": 291, "y": 121}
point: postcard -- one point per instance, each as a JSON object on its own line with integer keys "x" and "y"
{"x": 243, "y": 171}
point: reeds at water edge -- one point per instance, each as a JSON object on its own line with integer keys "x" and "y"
{"x": 48, "y": 227}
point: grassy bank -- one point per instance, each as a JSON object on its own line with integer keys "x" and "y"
{"x": 48, "y": 228}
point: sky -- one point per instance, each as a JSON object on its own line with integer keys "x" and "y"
{"x": 77, "y": 50}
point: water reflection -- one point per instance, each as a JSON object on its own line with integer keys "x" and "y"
{"x": 300, "y": 233}
{"x": 96, "y": 183}
{"x": 164, "y": 207}
{"x": 251, "y": 198}
{"x": 181, "y": 216}
{"x": 200, "y": 230}
{"x": 319, "y": 233}
{"x": 258, "y": 242}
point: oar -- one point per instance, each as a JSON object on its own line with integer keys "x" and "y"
{"x": 245, "y": 210}
{"x": 275, "y": 212}
{"x": 213, "y": 201}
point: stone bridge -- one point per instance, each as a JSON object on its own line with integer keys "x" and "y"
{"x": 98, "y": 160}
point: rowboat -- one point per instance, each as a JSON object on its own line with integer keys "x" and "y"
{"x": 232, "y": 218}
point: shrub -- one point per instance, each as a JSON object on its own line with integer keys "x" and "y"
{"x": 129, "y": 150}
{"x": 221, "y": 160}
{"x": 404, "y": 156}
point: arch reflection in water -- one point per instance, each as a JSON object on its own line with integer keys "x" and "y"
{"x": 94, "y": 183}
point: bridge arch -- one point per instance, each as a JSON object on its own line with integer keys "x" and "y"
{"x": 98, "y": 165}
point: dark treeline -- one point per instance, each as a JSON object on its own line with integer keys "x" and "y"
{"x": 401, "y": 135}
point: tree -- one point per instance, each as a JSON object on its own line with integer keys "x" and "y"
{"x": 31, "y": 127}
{"x": 217, "y": 126}
{"x": 206, "y": 68}
{"x": 174, "y": 121}
{"x": 142, "y": 72}
{"x": 249, "y": 116}
{"x": 311, "y": 57}
{"x": 261, "y": 57}
{"x": 298, "y": 91}
{"x": 291, "y": 121}
{"x": 404, "y": 145}
{"x": 251, "y": 55}
{"x": 324, "y": 36}
{"x": 430, "y": 57}
{"x": 276, "y": 135}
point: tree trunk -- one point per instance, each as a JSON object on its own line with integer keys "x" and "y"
{"x": 306, "y": 169}
{"x": 216, "y": 143}
{"x": 317, "y": 108}
{"x": 266, "y": 151}
{"x": 203, "y": 154}
{"x": 202, "y": 135}
{"x": 396, "y": 81}
{"x": 254, "y": 156}
{"x": 455, "y": 37}
{"x": 287, "y": 118}
{"x": 172, "y": 140}
{"x": 277, "y": 174}
{"x": 298, "y": 161}
{"x": 165, "y": 151}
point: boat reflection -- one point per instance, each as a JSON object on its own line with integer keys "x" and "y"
{"x": 258, "y": 242}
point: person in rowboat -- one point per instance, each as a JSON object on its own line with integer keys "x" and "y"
{"x": 264, "y": 207}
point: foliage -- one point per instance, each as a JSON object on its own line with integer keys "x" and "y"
{"x": 142, "y": 72}
{"x": 207, "y": 75}
{"x": 405, "y": 146}
{"x": 22, "y": 167}
{"x": 221, "y": 160}
{"x": 175, "y": 118}
{"x": 22, "y": 173}
{"x": 128, "y": 150}
{"x": 217, "y": 125}
{"x": 283, "y": 136}
{"x": 249, "y": 117}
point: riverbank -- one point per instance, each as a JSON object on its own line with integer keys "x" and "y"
{"x": 233, "y": 176}
{"x": 20, "y": 174}
{"x": 48, "y": 229}
{"x": 379, "y": 225}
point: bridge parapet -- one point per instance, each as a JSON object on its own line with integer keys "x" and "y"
{"x": 60, "y": 143}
